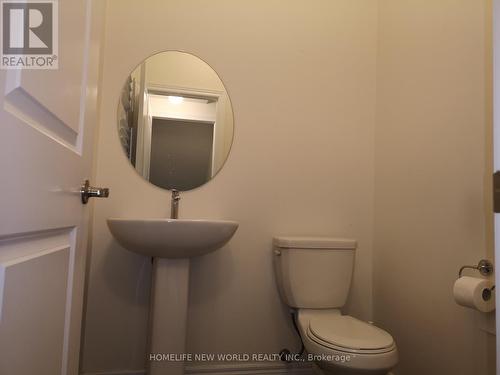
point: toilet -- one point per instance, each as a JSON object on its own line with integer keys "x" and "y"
{"x": 314, "y": 276}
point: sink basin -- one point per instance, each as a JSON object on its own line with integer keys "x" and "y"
{"x": 172, "y": 238}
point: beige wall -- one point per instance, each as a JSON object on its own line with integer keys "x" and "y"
{"x": 432, "y": 147}
{"x": 301, "y": 78}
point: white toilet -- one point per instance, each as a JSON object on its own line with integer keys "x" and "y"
{"x": 314, "y": 277}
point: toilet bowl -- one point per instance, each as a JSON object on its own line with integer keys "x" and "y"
{"x": 341, "y": 344}
{"x": 314, "y": 277}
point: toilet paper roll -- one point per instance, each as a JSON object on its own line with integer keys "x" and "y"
{"x": 475, "y": 293}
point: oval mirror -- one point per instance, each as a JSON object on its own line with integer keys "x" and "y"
{"x": 175, "y": 121}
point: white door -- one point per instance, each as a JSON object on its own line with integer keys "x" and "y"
{"x": 47, "y": 119}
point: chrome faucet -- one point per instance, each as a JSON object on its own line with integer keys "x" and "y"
{"x": 174, "y": 205}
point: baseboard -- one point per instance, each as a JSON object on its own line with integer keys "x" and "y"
{"x": 232, "y": 369}
{"x": 236, "y": 369}
{"x": 124, "y": 372}
{"x": 263, "y": 368}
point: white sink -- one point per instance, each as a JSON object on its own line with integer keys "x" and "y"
{"x": 171, "y": 242}
{"x": 172, "y": 238}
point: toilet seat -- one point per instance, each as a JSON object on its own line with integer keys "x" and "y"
{"x": 347, "y": 334}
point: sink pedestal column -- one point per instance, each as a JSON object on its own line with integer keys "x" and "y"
{"x": 168, "y": 314}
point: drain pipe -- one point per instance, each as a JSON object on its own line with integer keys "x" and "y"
{"x": 285, "y": 354}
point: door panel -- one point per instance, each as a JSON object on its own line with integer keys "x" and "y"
{"x": 47, "y": 119}
{"x": 35, "y": 314}
{"x": 47, "y": 87}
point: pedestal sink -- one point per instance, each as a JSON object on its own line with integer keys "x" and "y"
{"x": 171, "y": 242}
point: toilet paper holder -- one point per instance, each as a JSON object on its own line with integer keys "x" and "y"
{"x": 485, "y": 268}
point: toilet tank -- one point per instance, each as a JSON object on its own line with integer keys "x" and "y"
{"x": 314, "y": 272}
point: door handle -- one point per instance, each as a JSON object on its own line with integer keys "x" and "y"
{"x": 88, "y": 191}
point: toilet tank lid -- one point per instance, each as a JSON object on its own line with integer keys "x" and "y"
{"x": 314, "y": 243}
